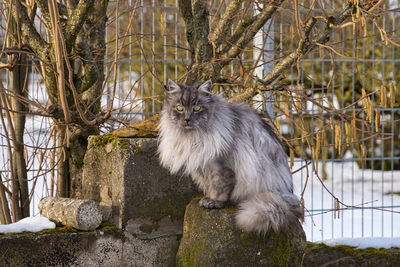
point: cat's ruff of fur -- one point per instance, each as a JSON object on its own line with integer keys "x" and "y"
{"x": 236, "y": 136}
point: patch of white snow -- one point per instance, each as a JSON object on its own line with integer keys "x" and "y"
{"x": 365, "y": 242}
{"x": 30, "y": 224}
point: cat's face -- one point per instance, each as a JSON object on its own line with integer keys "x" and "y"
{"x": 189, "y": 106}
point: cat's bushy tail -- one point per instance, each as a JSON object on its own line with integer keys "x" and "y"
{"x": 263, "y": 211}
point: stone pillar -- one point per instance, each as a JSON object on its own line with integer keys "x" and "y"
{"x": 137, "y": 194}
{"x": 211, "y": 238}
{"x": 125, "y": 177}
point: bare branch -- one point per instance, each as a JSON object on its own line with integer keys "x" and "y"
{"x": 185, "y": 8}
{"x": 44, "y": 11}
{"x": 195, "y": 14}
{"x": 225, "y": 23}
{"x": 55, "y": 18}
{"x": 304, "y": 46}
{"x": 29, "y": 34}
{"x": 249, "y": 33}
{"x": 75, "y": 21}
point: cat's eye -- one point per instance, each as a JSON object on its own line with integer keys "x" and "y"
{"x": 196, "y": 108}
{"x": 179, "y": 108}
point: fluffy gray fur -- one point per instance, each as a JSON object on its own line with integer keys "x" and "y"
{"x": 232, "y": 155}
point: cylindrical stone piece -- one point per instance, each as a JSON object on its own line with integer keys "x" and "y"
{"x": 78, "y": 213}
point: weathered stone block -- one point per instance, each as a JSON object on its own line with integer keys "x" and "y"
{"x": 125, "y": 177}
{"x": 108, "y": 246}
{"x": 136, "y": 193}
{"x": 104, "y": 247}
{"x": 211, "y": 238}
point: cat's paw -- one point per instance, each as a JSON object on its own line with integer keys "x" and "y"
{"x": 209, "y": 203}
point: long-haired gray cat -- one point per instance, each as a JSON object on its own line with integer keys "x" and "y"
{"x": 231, "y": 153}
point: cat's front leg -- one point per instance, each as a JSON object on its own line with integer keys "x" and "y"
{"x": 221, "y": 183}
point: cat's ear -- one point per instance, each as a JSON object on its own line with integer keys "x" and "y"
{"x": 172, "y": 87}
{"x": 206, "y": 87}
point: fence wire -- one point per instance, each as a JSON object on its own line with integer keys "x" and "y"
{"x": 153, "y": 49}
{"x": 360, "y": 61}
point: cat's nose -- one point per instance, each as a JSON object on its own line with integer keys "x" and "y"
{"x": 188, "y": 120}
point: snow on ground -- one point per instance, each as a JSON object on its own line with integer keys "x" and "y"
{"x": 365, "y": 242}
{"x": 30, "y": 224}
{"x": 356, "y": 187}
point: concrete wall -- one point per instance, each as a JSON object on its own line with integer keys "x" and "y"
{"x": 147, "y": 204}
{"x": 96, "y": 248}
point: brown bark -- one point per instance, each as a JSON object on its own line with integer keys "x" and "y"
{"x": 17, "y": 78}
{"x": 195, "y": 14}
{"x": 84, "y": 31}
{"x": 62, "y": 167}
{"x": 92, "y": 39}
{"x": 14, "y": 194}
{"x": 205, "y": 64}
{"x": 228, "y": 47}
{"x": 15, "y": 113}
{"x": 5, "y": 216}
{"x": 17, "y": 84}
{"x": 245, "y": 34}
{"x": 304, "y": 46}
{"x": 222, "y": 29}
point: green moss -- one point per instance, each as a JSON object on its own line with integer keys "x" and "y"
{"x": 121, "y": 143}
{"x": 103, "y": 3}
{"x": 281, "y": 255}
{"x": 114, "y": 143}
{"x": 104, "y": 226}
{"x": 231, "y": 208}
{"x": 108, "y": 227}
{"x": 102, "y": 140}
{"x": 138, "y": 149}
{"x": 321, "y": 253}
{"x": 194, "y": 247}
{"x": 146, "y": 134}
{"x": 61, "y": 229}
{"x": 211, "y": 238}
{"x": 192, "y": 256}
{"x": 366, "y": 252}
{"x": 282, "y": 249}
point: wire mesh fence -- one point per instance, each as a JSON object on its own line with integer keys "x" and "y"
{"x": 363, "y": 174}
{"x": 146, "y": 45}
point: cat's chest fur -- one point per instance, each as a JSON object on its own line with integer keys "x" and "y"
{"x": 190, "y": 151}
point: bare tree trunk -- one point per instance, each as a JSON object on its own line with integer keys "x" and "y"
{"x": 90, "y": 39}
{"x": 62, "y": 167}
{"x": 213, "y": 46}
{"x": 18, "y": 86}
{"x": 14, "y": 194}
{"x": 195, "y": 14}
{"x": 5, "y": 216}
{"x": 17, "y": 78}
